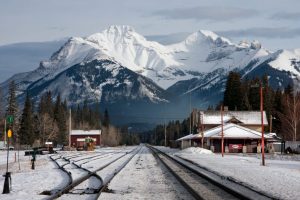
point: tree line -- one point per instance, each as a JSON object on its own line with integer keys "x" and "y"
{"x": 47, "y": 119}
{"x": 281, "y": 106}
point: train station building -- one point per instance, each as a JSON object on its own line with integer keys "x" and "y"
{"x": 241, "y": 131}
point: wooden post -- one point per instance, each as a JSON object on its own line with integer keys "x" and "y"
{"x": 270, "y": 123}
{"x": 202, "y": 129}
{"x": 222, "y": 133}
{"x": 262, "y": 126}
{"x": 70, "y": 128}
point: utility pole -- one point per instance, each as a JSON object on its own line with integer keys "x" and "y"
{"x": 198, "y": 121}
{"x": 190, "y": 114}
{"x": 260, "y": 86}
{"x": 222, "y": 133}
{"x": 202, "y": 128}
{"x": 155, "y": 137}
{"x": 165, "y": 133}
{"x": 294, "y": 116}
{"x": 5, "y": 140}
{"x": 262, "y": 125}
{"x": 70, "y": 127}
{"x": 271, "y": 123}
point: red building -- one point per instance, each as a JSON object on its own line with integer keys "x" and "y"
{"x": 78, "y": 137}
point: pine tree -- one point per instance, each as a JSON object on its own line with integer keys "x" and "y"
{"x": 26, "y": 126}
{"x": 254, "y": 94}
{"x": 245, "y": 105}
{"x": 49, "y": 104}
{"x": 268, "y": 95}
{"x": 78, "y": 118}
{"x": 233, "y": 92}
{"x": 60, "y": 117}
{"x": 12, "y": 108}
{"x": 106, "y": 119}
{"x": 278, "y": 108}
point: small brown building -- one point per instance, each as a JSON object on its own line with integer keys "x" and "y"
{"x": 78, "y": 137}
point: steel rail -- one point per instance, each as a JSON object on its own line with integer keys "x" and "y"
{"x": 233, "y": 188}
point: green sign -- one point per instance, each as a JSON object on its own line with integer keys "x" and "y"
{"x": 10, "y": 119}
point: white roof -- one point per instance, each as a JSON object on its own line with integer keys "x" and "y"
{"x": 231, "y": 131}
{"x": 187, "y": 137}
{"x": 245, "y": 117}
{"x": 84, "y": 132}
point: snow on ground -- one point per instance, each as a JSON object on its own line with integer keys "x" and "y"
{"x": 3, "y": 156}
{"x": 280, "y": 177}
{"x": 28, "y": 183}
{"x": 195, "y": 150}
{"x": 144, "y": 178}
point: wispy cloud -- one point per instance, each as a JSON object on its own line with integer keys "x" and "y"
{"x": 212, "y": 13}
{"x": 280, "y": 32}
{"x": 57, "y": 28}
{"x": 286, "y": 16}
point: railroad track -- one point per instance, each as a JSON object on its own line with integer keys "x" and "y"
{"x": 203, "y": 184}
{"x": 90, "y": 183}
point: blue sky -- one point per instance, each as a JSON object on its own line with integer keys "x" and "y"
{"x": 273, "y": 22}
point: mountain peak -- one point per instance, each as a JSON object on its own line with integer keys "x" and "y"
{"x": 206, "y": 35}
{"x": 120, "y": 29}
{"x": 116, "y": 34}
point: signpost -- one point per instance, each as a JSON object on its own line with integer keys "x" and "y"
{"x": 10, "y": 119}
{"x": 7, "y": 181}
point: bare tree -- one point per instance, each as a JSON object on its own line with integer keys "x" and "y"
{"x": 111, "y": 136}
{"x": 291, "y": 116}
{"x": 48, "y": 128}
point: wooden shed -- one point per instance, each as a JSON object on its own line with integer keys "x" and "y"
{"x": 79, "y": 137}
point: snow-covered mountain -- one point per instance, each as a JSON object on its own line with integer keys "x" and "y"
{"x": 99, "y": 81}
{"x": 119, "y": 64}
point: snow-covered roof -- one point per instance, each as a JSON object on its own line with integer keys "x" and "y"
{"x": 231, "y": 131}
{"x": 245, "y": 117}
{"x": 187, "y": 137}
{"x": 84, "y": 132}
